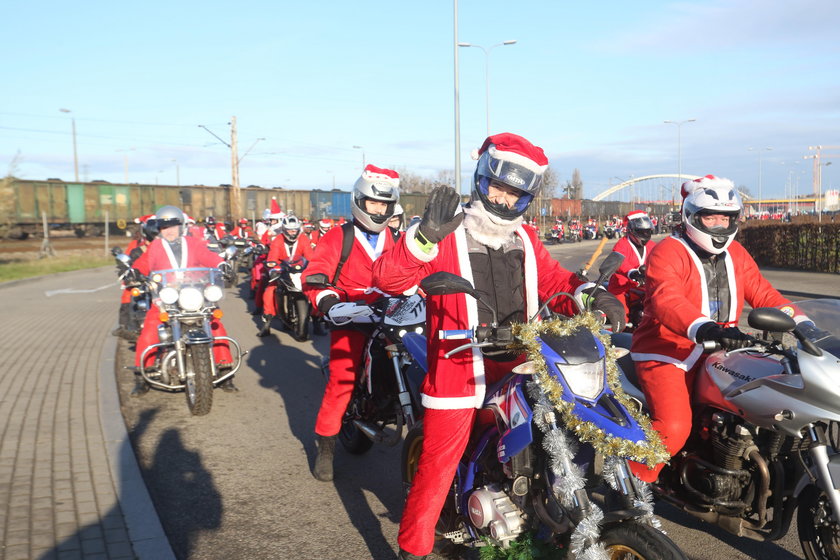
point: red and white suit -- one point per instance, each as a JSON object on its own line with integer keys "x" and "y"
{"x": 454, "y": 388}
{"x": 194, "y": 253}
{"x": 279, "y": 252}
{"x": 346, "y": 345}
{"x": 664, "y": 348}
{"x": 626, "y": 290}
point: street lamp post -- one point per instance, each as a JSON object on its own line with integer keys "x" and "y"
{"x": 679, "y": 154}
{"x": 364, "y": 163}
{"x": 760, "y": 153}
{"x": 75, "y": 154}
{"x": 487, "y": 72}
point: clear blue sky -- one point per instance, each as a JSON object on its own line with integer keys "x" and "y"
{"x": 590, "y": 82}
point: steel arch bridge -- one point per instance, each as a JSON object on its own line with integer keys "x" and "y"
{"x": 634, "y": 180}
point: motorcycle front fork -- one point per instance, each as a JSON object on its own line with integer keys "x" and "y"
{"x": 404, "y": 396}
{"x": 825, "y": 466}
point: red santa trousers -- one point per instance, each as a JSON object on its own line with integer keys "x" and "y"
{"x": 667, "y": 390}
{"x": 445, "y": 436}
{"x": 346, "y": 347}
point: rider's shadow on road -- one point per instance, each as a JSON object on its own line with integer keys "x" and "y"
{"x": 296, "y": 376}
{"x": 184, "y": 494}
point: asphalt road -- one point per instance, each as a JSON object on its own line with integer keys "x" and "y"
{"x": 237, "y": 484}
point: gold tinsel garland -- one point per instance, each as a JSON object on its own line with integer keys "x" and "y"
{"x": 651, "y": 451}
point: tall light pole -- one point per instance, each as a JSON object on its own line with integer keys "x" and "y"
{"x": 457, "y": 102}
{"x": 75, "y": 154}
{"x": 125, "y": 162}
{"x": 760, "y": 153}
{"x": 487, "y": 72}
{"x": 364, "y": 163}
{"x": 679, "y": 155}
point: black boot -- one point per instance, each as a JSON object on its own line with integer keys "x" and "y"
{"x": 140, "y": 386}
{"x": 228, "y": 386}
{"x": 323, "y": 470}
{"x": 409, "y": 556}
{"x": 124, "y": 320}
{"x": 266, "y": 328}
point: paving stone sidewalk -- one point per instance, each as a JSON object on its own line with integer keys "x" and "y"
{"x": 70, "y": 486}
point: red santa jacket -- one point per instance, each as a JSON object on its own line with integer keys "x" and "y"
{"x": 458, "y": 382}
{"x": 301, "y": 248}
{"x": 194, "y": 253}
{"x": 677, "y": 300}
{"x": 633, "y": 259}
{"x": 357, "y": 273}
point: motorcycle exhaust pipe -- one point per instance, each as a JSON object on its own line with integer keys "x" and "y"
{"x": 377, "y": 434}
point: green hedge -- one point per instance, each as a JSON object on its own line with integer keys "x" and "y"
{"x": 801, "y": 246}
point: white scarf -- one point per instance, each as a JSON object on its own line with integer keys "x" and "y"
{"x": 487, "y": 229}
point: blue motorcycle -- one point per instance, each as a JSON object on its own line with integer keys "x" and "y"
{"x": 550, "y": 465}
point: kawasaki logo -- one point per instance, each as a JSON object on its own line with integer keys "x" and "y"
{"x": 736, "y": 374}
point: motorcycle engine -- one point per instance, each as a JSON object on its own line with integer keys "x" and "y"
{"x": 492, "y": 509}
{"x": 721, "y": 476}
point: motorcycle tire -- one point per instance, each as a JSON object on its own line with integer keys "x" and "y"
{"x": 635, "y": 541}
{"x": 301, "y": 310}
{"x": 352, "y": 439}
{"x": 199, "y": 387}
{"x": 817, "y": 532}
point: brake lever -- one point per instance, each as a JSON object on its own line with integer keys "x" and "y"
{"x": 465, "y": 346}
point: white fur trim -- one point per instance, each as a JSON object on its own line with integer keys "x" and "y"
{"x": 532, "y": 303}
{"x": 704, "y": 182}
{"x": 414, "y": 248}
{"x": 322, "y": 294}
{"x": 516, "y": 158}
{"x": 684, "y": 365}
{"x": 691, "y": 333}
{"x": 472, "y": 314}
{"x": 372, "y": 252}
{"x": 448, "y": 403}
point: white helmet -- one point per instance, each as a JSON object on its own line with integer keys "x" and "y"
{"x": 710, "y": 195}
{"x": 375, "y": 184}
{"x": 168, "y": 216}
{"x": 290, "y": 228}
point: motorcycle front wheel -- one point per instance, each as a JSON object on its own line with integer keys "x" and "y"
{"x": 635, "y": 541}
{"x": 198, "y": 385}
{"x": 819, "y": 535}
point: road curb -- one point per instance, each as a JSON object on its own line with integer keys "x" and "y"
{"x": 144, "y": 528}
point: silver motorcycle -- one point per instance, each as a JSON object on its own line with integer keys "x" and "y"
{"x": 188, "y": 300}
{"x": 765, "y": 440}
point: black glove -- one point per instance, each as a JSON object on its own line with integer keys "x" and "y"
{"x": 439, "y": 218}
{"x": 729, "y": 338}
{"x": 637, "y": 275}
{"x": 326, "y": 303}
{"x": 608, "y": 304}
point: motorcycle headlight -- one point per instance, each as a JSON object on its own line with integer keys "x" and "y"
{"x": 191, "y": 299}
{"x": 585, "y": 380}
{"x": 168, "y": 295}
{"x": 213, "y": 293}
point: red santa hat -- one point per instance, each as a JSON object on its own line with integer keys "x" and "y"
{"x": 378, "y": 175}
{"x": 515, "y": 149}
{"x": 704, "y": 182}
{"x": 276, "y": 212}
{"x": 143, "y": 219}
{"x": 634, "y": 215}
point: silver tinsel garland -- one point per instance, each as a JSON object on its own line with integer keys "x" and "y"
{"x": 568, "y": 477}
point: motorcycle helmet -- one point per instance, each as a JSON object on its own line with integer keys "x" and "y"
{"x": 511, "y": 160}
{"x": 325, "y": 224}
{"x": 375, "y": 184}
{"x": 290, "y": 228}
{"x": 639, "y": 227}
{"x": 397, "y": 220}
{"x": 210, "y": 221}
{"x": 148, "y": 227}
{"x": 243, "y": 222}
{"x": 705, "y": 196}
{"x": 168, "y": 216}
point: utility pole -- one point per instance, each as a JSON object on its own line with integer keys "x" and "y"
{"x": 817, "y": 179}
{"x": 234, "y": 194}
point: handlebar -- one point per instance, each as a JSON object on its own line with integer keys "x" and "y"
{"x": 456, "y": 334}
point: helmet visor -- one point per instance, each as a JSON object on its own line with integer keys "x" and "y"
{"x": 518, "y": 207}
{"x": 509, "y": 173}
{"x": 642, "y": 222}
